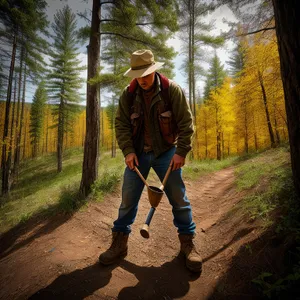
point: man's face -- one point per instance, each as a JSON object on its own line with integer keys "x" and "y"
{"x": 147, "y": 81}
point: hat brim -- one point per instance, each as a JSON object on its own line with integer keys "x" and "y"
{"x": 143, "y": 72}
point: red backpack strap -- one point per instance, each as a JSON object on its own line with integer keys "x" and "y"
{"x": 132, "y": 86}
{"x": 164, "y": 81}
{"x": 164, "y": 89}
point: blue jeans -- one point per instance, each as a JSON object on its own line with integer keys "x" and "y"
{"x": 174, "y": 189}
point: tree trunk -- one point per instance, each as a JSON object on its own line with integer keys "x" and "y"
{"x": 11, "y": 143}
{"x": 91, "y": 151}
{"x": 13, "y": 120}
{"x": 218, "y": 135}
{"x": 190, "y": 55}
{"x": 47, "y": 131}
{"x": 5, "y": 166}
{"x": 206, "y": 134}
{"x": 25, "y": 139}
{"x": 271, "y": 133}
{"x": 255, "y": 134}
{"x": 287, "y": 20}
{"x": 246, "y": 127}
{"x": 18, "y": 144}
{"x": 193, "y": 63}
{"x": 60, "y": 135}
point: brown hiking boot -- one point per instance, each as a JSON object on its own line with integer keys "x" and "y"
{"x": 118, "y": 249}
{"x": 192, "y": 257}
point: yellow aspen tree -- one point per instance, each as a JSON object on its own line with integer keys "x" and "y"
{"x": 204, "y": 127}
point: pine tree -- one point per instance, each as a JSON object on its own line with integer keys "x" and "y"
{"x": 37, "y": 113}
{"x": 195, "y": 34}
{"x": 215, "y": 76}
{"x": 214, "y": 80}
{"x": 64, "y": 78}
{"x": 237, "y": 60}
{"x": 17, "y": 27}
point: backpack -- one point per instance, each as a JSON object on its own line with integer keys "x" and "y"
{"x": 164, "y": 91}
{"x": 168, "y": 126}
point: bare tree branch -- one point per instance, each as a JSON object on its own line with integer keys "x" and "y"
{"x": 84, "y": 17}
{"x": 256, "y": 31}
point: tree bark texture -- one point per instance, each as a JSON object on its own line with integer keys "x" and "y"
{"x": 60, "y": 134}
{"x": 19, "y": 134}
{"x": 287, "y": 20}
{"x": 91, "y": 151}
{"x": 5, "y": 167}
{"x": 270, "y": 128}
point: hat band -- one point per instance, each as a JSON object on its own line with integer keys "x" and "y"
{"x": 142, "y": 67}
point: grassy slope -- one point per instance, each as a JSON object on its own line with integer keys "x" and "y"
{"x": 266, "y": 177}
{"x": 42, "y": 190}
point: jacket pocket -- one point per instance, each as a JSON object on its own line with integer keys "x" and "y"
{"x": 135, "y": 123}
{"x": 168, "y": 127}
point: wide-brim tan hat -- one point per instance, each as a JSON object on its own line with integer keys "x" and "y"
{"x": 142, "y": 63}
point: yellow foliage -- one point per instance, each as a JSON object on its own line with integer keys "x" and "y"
{"x": 237, "y": 113}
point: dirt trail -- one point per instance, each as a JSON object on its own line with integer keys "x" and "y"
{"x": 57, "y": 258}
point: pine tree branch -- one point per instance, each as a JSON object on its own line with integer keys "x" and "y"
{"x": 112, "y": 20}
{"x": 125, "y": 37}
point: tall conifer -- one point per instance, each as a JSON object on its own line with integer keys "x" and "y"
{"x": 65, "y": 80}
{"x": 37, "y": 113}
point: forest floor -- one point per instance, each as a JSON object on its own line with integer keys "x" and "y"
{"x": 57, "y": 258}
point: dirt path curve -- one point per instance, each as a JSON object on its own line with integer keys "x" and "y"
{"x": 57, "y": 258}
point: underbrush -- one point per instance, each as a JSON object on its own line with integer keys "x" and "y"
{"x": 272, "y": 200}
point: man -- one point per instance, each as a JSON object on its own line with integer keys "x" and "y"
{"x": 153, "y": 129}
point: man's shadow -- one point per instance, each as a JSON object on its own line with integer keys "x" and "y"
{"x": 169, "y": 281}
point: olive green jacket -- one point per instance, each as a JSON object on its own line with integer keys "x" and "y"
{"x": 181, "y": 116}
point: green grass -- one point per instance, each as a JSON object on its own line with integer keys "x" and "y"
{"x": 272, "y": 200}
{"x": 268, "y": 179}
{"x": 194, "y": 169}
{"x": 41, "y": 190}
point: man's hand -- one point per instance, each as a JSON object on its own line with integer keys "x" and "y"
{"x": 131, "y": 160}
{"x": 178, "y": 162}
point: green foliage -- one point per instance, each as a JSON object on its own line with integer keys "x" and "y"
{"x": 215, "y": 76}
{"x": 17, "y": 17}
{"x": 280, "y": 287}
{"x": 107, "y": 182}
{"x": 133, "y": 25}
{"x": 109, "y": 176}
{"x": 70, "y": 200}
{"x": 195, "y": 35}
{"x": 65, "y": 78}
{"x": 42, "y": 191}
{"x": 270, "y": 179}
{"x": 237, "y": 60}
{"x": 37, "y": 116}
{"x": 111, "y": 113}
